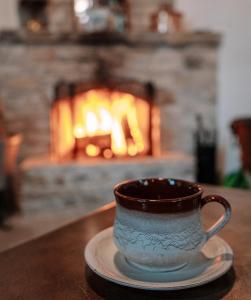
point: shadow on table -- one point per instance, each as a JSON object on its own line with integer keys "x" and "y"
{"x": 210, "y": 291}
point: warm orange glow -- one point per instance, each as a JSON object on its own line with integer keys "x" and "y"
{"x": 132, "y": 150}
{"x": 63, "y": 139}
{"x": 107, "y": 153}
{"x": 92, "y": 150}
{"x": 79, "y": 132}
{"x": 104, "y": 122}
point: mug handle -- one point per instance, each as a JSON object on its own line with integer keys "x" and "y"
{"x": 218, "y": 225}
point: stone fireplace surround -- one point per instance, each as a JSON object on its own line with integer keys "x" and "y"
{"x": 182, "y": 68}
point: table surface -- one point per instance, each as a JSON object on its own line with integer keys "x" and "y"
{"x": 53, "y": 266}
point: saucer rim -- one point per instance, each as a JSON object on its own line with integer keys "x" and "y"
{"x": 157, "y": 286}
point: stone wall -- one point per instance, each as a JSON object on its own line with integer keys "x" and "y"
{"x": 48, "y": 186}
{"x": 182, "y": 67}
{"x": 183, "y": 70}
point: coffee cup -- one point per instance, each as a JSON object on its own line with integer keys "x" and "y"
{"x": 158, "y": 222}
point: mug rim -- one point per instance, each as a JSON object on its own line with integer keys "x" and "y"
{"x": 172, "y": 205}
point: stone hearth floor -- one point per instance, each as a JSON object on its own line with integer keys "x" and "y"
{"x": 53, "y": 195}
{"x": 25, "y": 227}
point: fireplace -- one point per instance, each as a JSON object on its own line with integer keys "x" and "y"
{"x": 68, "y": 152}
{"x": 114, "y": 120}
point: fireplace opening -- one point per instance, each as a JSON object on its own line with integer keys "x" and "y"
{"x": 103, "y": 122}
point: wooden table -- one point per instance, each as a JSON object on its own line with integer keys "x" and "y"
{"x": 53, "y": 268}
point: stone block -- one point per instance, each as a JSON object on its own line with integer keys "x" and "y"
{"x": 48, "y": 186}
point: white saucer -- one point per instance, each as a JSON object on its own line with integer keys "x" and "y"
{"x": 103, "y": 258}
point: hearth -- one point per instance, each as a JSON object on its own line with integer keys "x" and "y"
{"x": 164, "y": 82}
{"x": 110, "y": 119}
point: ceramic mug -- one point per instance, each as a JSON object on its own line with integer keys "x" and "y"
{"x": 158, "y": 222}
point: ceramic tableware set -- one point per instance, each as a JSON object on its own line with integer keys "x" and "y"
{"x": 158, "y": 241}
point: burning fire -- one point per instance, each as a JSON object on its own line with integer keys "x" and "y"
{"x": 101, "y": 122}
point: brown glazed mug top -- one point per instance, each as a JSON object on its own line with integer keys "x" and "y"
{"x": 159, "y": 195}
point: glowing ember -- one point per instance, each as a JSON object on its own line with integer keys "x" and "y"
{"x": 92, "y": 150}
{"x": 101, "y": 122}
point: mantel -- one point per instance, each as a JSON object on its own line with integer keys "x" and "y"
{"x": 210, "y": 39}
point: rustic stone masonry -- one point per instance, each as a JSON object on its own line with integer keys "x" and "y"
{"x": 183, "y": 68}
{"x": 48, "y": 186}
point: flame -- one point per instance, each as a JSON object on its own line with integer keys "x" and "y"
{"x": 105, "y": 120}
{"x": 102, "y": 116}
{"x": 92, "y": 124}
{"x": 118, "y": 139}
{"x": 79, "y": 132}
